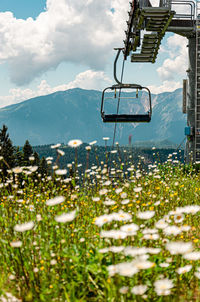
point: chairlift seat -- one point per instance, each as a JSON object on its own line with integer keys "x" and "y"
{"x": 126, "y": 118}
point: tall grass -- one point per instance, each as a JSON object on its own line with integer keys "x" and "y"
{"x": 98, "y": 240}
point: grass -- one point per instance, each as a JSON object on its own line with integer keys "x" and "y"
{"x": 76, "y": 260}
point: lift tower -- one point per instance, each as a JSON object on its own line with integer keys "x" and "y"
{"x": 146, "y": 27}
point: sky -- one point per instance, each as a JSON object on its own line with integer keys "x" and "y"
{"x": 53, "y": 45}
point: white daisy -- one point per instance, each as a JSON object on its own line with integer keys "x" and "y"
{"x": 16, "y": 243}
{"x": 172, "y": 230}
{"x": 161, "y": 224}
{"x": 107, "y": 183}
{"x": 92, "y": 143}
{"x": 125, "y": 201}
{"x": 179, "y": 247}
{"x": 130, "y": 229}
{"x": 103, "y": 192}
{"x": 115, "y": 234}
{"x": 116, "y": 249}
{"x": 55, "y": 146}
{"x": 53, "y": 262}
{"x": 185, "y": 228}
{"x": 66, "y": 217}
{"x": 24, "y": 226}
{"x": 126, "y": 269}
{"x": 164, "y": 264}
{"x": 193, "y": 256}
{"x": 143, "y": 264}
{"x": 61, "y": 152}
{"x": 137, "y": 189}
{"x": 121, "y": 216}
{"x": 33, "y": 169}
{"x": 118, "y": 191}
{"x": 17, "y": 170}
{"x": 61, "y": 172}
{"x": 123, "y": 195}
{"x": 163, "y": 287}
{"x": 49, "y": 158}
{"x": 54, "y": 201}
{"x": 178, "y": 218}
{"x": 124, "y": 290}
{"x": 139, "y": 289}
{"x": 74, "y": 143}
{"x": 101, "y": 220}
{"x": 150, "y": 231}
{"x": 184, "y": 269}
{"x": 153, "y": 251}
{"x": 135, "y": 251}
{"x": 109, "y": 202}
{"x": 146, "y": 215}
{"x": 95, "y": 199}
{"x": 151, "y": 237}
{"x": 88, "y": 148}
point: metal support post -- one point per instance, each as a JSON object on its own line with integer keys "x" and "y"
{"x": 190, "y": 144}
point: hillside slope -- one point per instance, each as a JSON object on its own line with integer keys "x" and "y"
{"x": 75, "y": 113}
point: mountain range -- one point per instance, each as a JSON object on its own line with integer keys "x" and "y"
{"x": 75, "y": 114}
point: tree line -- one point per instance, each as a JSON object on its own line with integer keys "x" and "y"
{"x": 11, "y": 156}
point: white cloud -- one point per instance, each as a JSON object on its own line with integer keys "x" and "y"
{"x": 173, "y": 67}
{"x": 176, "y": 65}
{"x": 184, "y": 8}
{"x": 88, "y": 79}
{"x": 79, "y": 31}
{"x": 155, "y": 2}
{"x": 166, "y": 86}
{"x": 178, "y": 61}
{"x": 180, "y": 8}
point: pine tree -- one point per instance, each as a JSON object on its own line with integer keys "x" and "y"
{"x": 27, "y": 152}
{"x": 36, "y": 161}
{"x": 43, "y": 168}
{"x": 6, "y": 151}
{"x": 18, "y": 157}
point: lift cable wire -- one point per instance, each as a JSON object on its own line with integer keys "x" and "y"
{"x": 122, "y": 73}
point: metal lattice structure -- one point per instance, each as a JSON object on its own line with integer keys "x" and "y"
{"x": 197, "y": 88}
{"x": 146, "y": 27}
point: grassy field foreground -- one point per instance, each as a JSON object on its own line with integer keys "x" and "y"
{"x": 131, "y": 238}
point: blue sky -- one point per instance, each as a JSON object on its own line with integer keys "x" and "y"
{"x": 23, "y": 8}
{"x": 51, "y": 45}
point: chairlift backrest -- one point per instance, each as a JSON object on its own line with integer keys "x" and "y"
{"x": 118, "y": 95}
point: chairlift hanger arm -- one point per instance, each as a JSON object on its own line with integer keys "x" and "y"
{"x": 115, "y": 74}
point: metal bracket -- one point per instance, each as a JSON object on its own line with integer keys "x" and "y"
{"x": 115, "y": 73}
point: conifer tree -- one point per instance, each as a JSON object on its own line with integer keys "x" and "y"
{"x": 18, "y": 157}
{"x": 6, "y": 151}
{"x": 43, "y": 168}
{"x": 27, "y": 152}
{"x": 36, "y": 161}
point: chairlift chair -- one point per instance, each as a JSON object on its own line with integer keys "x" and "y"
{"x": 125, "y": 118}
{"x": 117, "y": 89}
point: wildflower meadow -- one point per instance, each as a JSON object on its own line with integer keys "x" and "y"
{"x": 111, "y": 233}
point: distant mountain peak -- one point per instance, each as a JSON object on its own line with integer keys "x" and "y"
{"x": 75, "y": 113}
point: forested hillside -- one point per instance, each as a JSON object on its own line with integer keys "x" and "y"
{"x": 107, "y": 154}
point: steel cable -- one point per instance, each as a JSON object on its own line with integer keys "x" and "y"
{"x": 114, "y": 134}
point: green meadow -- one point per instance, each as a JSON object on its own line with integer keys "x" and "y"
{"x": 117, "y": 235}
